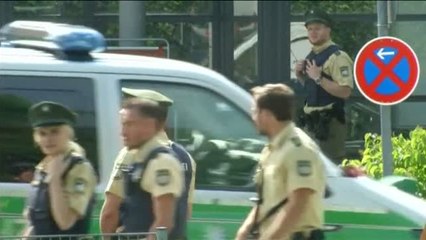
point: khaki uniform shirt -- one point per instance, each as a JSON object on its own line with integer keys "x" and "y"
{"x": 162, "y": 175}
{"x": 290, "y": 162}
{"x": 79, "y": 184}
{"x": 339, "y": 66}
{"x": 192, "y": 184}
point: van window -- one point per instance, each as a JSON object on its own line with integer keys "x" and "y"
{"x": 17, "y": 93}
{"x": 221, "y": 137}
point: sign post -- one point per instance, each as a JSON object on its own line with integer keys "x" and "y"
{"x": 386, "y": 72}
{"x": 385, "y": 111}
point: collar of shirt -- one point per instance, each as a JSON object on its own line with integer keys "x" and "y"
{"x": 42, "y": 165}
{"x": 42, "y": 168}
{"x": 281, "y": 136}
{"x": 319, "y": 48}
{"x": 158, "y": 140}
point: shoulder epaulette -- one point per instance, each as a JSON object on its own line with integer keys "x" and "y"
{"x": 296, "y": 141}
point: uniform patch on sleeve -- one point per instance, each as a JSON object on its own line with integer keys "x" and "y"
{"x": 162, "y": 177}
{"x": 304, "y": 168}
{"x": 80, "y": 186}
{"x": 344, "y": 71}
{"x": 296, "y": 141}
{"x": 118, "y": 176}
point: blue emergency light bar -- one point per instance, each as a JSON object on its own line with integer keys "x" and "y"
{"x": 66, "y": 38}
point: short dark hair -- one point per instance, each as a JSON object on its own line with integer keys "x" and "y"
{"x": 147, "y": 108}
{"x": 277, "y": 98}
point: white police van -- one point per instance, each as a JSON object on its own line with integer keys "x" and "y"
{"x": 210, "y": 117}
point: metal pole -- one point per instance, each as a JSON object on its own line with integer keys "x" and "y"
{"x": 273, "y": 42}
{"x": 385, "y": 111}
{"x": 161, "y": 233}
{"x": 131, "y": 22}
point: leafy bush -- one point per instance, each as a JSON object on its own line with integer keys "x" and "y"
{"x": 409, "y": 156}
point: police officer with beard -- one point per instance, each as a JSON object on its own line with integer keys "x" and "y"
{"x": 290, "y": 177}
{"x": 327, "y": 75}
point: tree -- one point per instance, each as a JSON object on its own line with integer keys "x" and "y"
{"x": 348, "y": 34}
{"x": 351, "y": 36}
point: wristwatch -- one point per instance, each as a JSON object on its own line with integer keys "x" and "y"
{"x": 318, "y": 80}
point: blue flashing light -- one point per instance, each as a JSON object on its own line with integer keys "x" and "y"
{"x": 64, "y": 37}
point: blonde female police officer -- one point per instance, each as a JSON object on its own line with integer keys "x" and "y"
{"x": 61, "y": 197}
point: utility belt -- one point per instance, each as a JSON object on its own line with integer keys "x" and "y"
{"x": 254, "y": 234}
{"x": 318, "y": 122}
{"x": 316, "y": 234}
{"x": 254, "y": 231}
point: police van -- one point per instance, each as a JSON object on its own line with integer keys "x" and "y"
{"x": 210, "y": 117}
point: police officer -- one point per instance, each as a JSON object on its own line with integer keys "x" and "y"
{"x": 290, "y": 177}
{"x": 138, "y": 201}
{"x": 327, "y": 75}
{"x": 184, "y": 210}
{"x": 61, "y": 197}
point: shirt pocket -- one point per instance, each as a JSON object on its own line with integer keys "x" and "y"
{"x": 275, "y": 176}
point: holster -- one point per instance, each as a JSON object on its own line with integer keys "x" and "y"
{"x": 254, "y": 232}
{"x": 316, "y": 234}
{"x": 318, "y": 122}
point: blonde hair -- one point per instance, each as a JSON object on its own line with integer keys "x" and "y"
{"x": 76, "y": 149}
{"x": 72, "y": 145}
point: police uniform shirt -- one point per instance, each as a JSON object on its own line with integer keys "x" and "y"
{"x": 339, "y": 66}
{"x": 79, "y": 184}
{"x": 164, "y": 174}
{"x": 115, "y": 184}
{"x": 192, "y": 184}
{"x": 290, "y": 162}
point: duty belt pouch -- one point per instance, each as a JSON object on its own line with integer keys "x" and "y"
{"x": 254, "y": 232}
{"x": 301, "y": 118}
{"x": 322, "y": 128}
{"x": 316, "y": 234}
{"x": 318, "y": 123}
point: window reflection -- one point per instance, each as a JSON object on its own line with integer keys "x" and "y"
{"x": 245, "y": 8}
{"x": 17, "y": 151}
{"x": 188, "y": 7}
{"x": 245, "y": 53}
{"x": 188, "y": 42}
{"x": 221, "y": 138}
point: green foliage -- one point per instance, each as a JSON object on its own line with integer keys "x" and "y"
{"x": 191, "y": 7}
{"x": 409, "y": 156}
{"x": 351, "y": 36}
{"x": 334, "y": 6}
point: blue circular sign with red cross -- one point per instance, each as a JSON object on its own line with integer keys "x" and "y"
{"x": 386, "y": 70}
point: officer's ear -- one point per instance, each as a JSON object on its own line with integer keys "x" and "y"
{"x": 328, "y": 29}
{"x": 160, "y": 125}
{"x": 268, "y": 114}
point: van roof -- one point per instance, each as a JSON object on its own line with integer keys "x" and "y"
{"x": 29, "y": 60}
{"x": 103, "y": 63}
